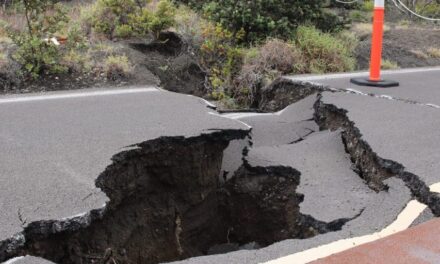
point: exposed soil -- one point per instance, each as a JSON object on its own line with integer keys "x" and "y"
{"x": 407, "y": 46}
{"x": 283, "y": 92}
{"x": 170, "y": 59}
{"x": 166, "y": 62}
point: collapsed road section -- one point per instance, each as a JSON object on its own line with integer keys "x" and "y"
{"x": 147, "y": 176}
{"x": 57, "y": 145}
{"x": 70, "y": 199}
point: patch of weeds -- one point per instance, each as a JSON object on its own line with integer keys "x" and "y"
{"x": 117, "y": 67}
{"x": 359, "y": 16}
{"x": 367, "y": 6}
{"x": 189, "y": 25}
{"x": 79, "y": 62}
{"x": 389, "y": 65}
{"x": 434, "y": 53}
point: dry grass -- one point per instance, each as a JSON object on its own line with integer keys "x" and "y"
{"x": 189, "y": 25}
{"x": 13, "y": 20}
{"x": 278, "y": 55}
{"x": 363, "y": 29}
{"x": 434, "y": 53}
{"x": 420, "y": 54}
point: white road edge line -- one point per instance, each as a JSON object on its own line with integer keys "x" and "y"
{"x": 75, "y": 95}
{"x": 12, "y": 260}
{"x": 404, "y": 220}
{"x": 356, "y": 74}
{"x": 216, "y": 114}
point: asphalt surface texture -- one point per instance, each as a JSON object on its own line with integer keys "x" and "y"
{"x": 76, "y": 136}
{"x": 332, "y": 190}
{"x": 416, "y": 85}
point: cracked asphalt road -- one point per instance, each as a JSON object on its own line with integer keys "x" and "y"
{"x": 56, "y": 145}
{"x": 403, "y": 129}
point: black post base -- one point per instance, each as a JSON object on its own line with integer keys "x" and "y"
{"x": 367, "y": 82}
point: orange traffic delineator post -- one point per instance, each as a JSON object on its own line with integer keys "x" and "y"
{"x": 376, "y": 51}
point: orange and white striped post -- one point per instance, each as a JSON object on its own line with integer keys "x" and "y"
{"x": 376, "y": 50}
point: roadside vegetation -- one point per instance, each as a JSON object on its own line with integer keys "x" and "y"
{"x": 241, "y": 46}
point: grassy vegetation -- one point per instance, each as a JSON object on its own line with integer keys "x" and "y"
{"x": 389, "y": 65}
{"x": 117, "y": 67}
{"x": 241, "y": 50}
{"x": 81, "y": 28}
{"x": 239, "y": 60}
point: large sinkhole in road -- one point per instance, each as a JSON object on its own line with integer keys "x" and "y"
{"x": 167, "y": 203}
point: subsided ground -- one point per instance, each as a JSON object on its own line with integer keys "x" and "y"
{"x": 142, "y": 175}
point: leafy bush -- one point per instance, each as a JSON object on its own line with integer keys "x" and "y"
{"x": 428, "y": 8}
{"x": 323, "y": 52}
{"x": 220, "y": 58}
{"x": 262, "y": 18}
{"x": 117, "y": 67}
{"x": 127, "y": 18}
{"x": 37, "y": 55}
{"x": 163, "y": 17}
{"x": 367, "y": 6}
{"x": 109, "y": 14}
{"x": 240, "y": 73}
{"x": 123, "y": 31}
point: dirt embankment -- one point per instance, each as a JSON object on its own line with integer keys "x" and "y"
{"x": 166, "y": 62}
{"x": 408, "y": 47}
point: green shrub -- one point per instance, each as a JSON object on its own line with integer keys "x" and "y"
{"x": 36, "y": 55}
{"x": 220, "y": 58}
{"x": 123, "y": 31}
{"x": 163, "y": 18}
{"x": 109, "y": 14}
{"x": 141, "y": 23}
{"x": 262, "y": 18}
{"x": 323, "y": 52}
{"x": 367, "y": 6}
{"x": 431, "y": 9}
{"x": 127, "y": 18}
